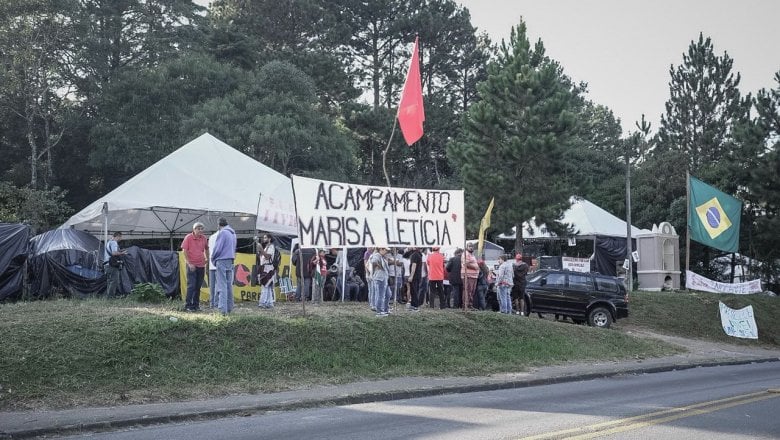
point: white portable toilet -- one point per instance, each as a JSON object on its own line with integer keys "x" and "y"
{"x": 658, "y": 267}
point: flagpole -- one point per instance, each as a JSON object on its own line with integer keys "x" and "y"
{"x": 688, "y": 223}
{"x": 384, "y": 154}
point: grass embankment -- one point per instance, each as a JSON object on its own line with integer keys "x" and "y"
{"x": 696, "y": 315}
{"x": 67, "y": 353}
{"x": 70, "y": 353}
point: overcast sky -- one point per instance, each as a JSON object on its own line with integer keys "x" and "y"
{"x": 623, "y": 48}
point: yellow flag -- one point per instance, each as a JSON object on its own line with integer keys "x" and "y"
{"x": 484, "y": 224}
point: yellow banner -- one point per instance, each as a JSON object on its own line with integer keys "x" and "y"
{"x": 242, "y": 272}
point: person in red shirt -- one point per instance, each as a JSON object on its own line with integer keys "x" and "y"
{"x": 195, "y": 247}
{"x": 435, "y": 264}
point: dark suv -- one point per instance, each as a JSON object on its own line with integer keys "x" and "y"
{"x": 599, "y": 299}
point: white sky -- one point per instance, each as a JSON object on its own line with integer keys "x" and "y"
{"x": 623, "y": 48}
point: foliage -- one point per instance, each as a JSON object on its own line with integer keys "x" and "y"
{"x": 41, "y": 209}
{"x": 142, "y": 111}
{"x": 515, "y": 140}
{"x": 148, "y": 293}
{"x": 704, "y": 105}
{"x": 274, "y": 117}
{"x": 34, "y": 37}
{"x": 762, "y": 181}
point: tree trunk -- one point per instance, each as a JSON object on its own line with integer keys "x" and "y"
{"x": 519, "y": 238}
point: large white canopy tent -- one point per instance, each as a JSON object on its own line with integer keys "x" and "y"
{"x": 200, "y": 182}
{"x": 587, "y": 219}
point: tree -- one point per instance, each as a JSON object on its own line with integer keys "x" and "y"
{"x": 762, "y": 181}
{"x": 310, "y": 34}
{"x": 515, "y": 139}
{"x": 113, "y": 35}
{"x": 703, "y": 107}
{"x": 142, "y": 110}
{"x": 34, "y": 38}
{"x": 275, "y": 118}
{"x": 41, "y": 209}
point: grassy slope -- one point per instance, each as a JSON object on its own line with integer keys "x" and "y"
{"x": 66, "y": 353}
{"x": 696, "y": 315}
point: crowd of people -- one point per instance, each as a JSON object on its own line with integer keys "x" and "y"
{"x": 416, "y": 277}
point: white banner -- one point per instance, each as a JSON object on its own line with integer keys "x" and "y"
{"x": 738, "y": 323}
{"x": 698, "y": 282}
{"x": 335, "y": 214}
{"x": 575, "y": 264}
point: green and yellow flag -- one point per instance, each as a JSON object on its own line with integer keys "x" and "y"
{"x": 714, "y": 216}
{"x": 483, "y": 225}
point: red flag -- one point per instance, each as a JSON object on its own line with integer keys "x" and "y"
{"x": 410, "y": 109}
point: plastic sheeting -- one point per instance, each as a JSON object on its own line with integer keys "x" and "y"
{"x": 609, "y": 252}
{"x": 14, "y": 244}
{"x": 67, "y": 262}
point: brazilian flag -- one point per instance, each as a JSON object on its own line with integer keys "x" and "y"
{"x": 714, "y": 216}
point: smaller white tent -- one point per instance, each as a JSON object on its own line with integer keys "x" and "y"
{"x": 200, "y": 182}
{"x": 588, "y": 220}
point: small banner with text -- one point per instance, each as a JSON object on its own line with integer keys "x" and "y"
{"x": 738, "y": 323}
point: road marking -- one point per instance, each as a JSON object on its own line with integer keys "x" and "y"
{"x": 654, "y": 418}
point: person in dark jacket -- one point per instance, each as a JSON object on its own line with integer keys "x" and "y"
{"x": 303, "y": 272}
{"x": 518, "y": 290}
{"x": 456, "y": 282}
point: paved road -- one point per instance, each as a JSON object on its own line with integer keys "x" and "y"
{"x": 735, "y": 402}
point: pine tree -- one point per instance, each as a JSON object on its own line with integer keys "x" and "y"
{"x": 515, "y": 138}
{"x": 704, "y": 105}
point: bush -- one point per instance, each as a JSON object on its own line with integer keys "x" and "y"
{"x": 147, "y": 293}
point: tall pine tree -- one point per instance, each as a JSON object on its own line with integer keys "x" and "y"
{"x": 515, "y": 138}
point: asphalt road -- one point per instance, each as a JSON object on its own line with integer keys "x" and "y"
{"x": 727, "y": 402}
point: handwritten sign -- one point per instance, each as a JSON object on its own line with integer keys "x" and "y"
{"x": 738, "y": 323}
{"x": 694, "y": 281}
{"x": 336, "y": 214}
{"x": 575, "y": 264}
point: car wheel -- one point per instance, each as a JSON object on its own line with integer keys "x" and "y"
{"x": 599, "y": 317}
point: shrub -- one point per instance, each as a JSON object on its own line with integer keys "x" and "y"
{"x": 147, "y": 293}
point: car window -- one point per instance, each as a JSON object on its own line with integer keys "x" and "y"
{"x": 556, "y": 280}
{"x": 606, "y": 285}
{"x": 536, "y": 277}
{"x": 579, "y": 282}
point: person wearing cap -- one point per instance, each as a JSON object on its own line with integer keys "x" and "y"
{"x": 518, "y": 290}
{"x": 435, "y": 263}
{"x": 195, "y": 247}
{"x": 223, "y": 254}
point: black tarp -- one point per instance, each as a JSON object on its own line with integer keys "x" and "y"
{"x": 609, "y": 252}
{"x": 68, "y": 262}
{"x": 14, "y": 246}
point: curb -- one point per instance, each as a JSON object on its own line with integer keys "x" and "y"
{"x": 366, "y": 397}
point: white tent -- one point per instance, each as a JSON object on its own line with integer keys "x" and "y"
{"x": 200, "y": 182}
{"x": 588, "y": 220}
